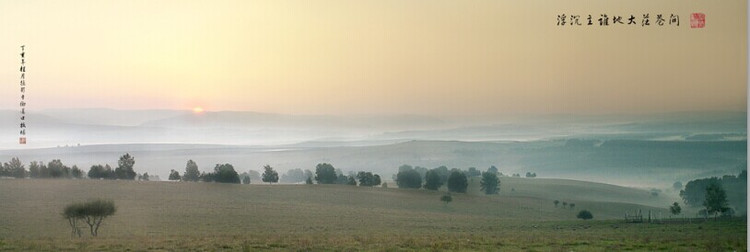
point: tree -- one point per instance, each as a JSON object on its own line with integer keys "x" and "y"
{"x": 556, "y": 202}
{"x": 694, "y": 193}
{"x": 585, "y": 215}
{"x": 376, "y": 180}
{"x": 325, "y": 173}
{"x": 35, "y": 169}
{"x": 432, "y": 180}
{"x": 76, "y": 172}
{"x": 444, "y": 173}
{"x": 92, "y": 212}
{"x": 174, "y": 175}
{"x": 447, "y": 198}
{"x": 254, "y": 175}
{"x": 293, "y": 176}
{"x": 716, "y": 200}
{"x": 57, "y": 169}
{"x": 191, "y": 172}
{"x": 572, "y": 205}
{"x": 408, "y": 178}
{"x": 246, "y": 180}
{"x": 490, "y": 184}
{"x": 309, "y": 181}
{"x": 342, "y": 179}
{"x": 531, "y": 174}
{"x": 457, "y": 182}
{"x": 101, "y": 172}
{"x": 144, "y": 177}
{"x": 270, "y": 175}
{"x": 473, "y": 172}
{"x": 368, "y": 179}
{"x": 225, "y": 173}
{"x": 675, "y": 208}
{"x": 351, "y": 181}
{"x": 14, "y": 169}
{"x": 565, "y": 204}
{"x": 124, "y": 168}
{"x": 208, "y": 176}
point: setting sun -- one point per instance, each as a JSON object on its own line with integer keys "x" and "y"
{"x": 197, "y": 110}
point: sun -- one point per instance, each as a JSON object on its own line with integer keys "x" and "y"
{"x": 197, "y": 110}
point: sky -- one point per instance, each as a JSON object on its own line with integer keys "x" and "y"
{"x": 373, "y": 56}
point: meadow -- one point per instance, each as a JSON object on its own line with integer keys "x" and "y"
{"x": 184, "y": 216}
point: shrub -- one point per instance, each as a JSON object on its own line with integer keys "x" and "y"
{"x": 585, "y": 215}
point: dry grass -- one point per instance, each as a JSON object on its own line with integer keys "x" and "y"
{"x": 161, "y": 216}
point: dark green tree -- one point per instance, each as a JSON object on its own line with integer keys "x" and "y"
{"x": 376, "y": 180}
{"x": 408, "y": 178}
{"x": 585, "y": 215}
{"x": 457, "y": 182}
{"x": 675, "y": 208}
{"x": 35, "y": 169}
{"x": 225, "y": 173}
{"x": 351, "y": 181}
{"x": 716, "y": 200}
{"x": 124, "y": 168}
{"x": 490, "y": 184}
{"x": 556, "y": 202}
{"x": 325, "y": 173}
{"x": 76, "y": 172}
{"x": 57, "y": 169}
{"x": 309, "y": 181}
{"x": 101, "y": 172}
{"x": 432, "y": 180}
{"x": 246, "y": 180}
{"x": 191, "y": 171}
{"x": 270, "y": 175}
{"x": 14, "y": 169}
{"x": 174, "y": 175}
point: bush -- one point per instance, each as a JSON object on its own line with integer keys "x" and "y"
{"x": 446, "y": 198}
{"x": 585, "y": 215}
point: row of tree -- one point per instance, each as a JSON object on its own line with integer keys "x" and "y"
{"x": 56, "y": 169}
{"x": 717, "y": 195}
{"x": 455, "y": 179}
{"x": 324, "y": 174}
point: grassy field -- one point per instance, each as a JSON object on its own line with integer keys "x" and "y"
{"x": 164, "y": 216}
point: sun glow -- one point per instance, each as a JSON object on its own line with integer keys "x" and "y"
{"x": 197, "y": 110}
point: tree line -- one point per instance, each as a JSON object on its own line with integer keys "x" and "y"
{"x": 56, "y": 169}
{"x": 455, "y": 179}
{"x": 717, "y": 196}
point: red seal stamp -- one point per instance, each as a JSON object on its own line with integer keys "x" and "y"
{"x": 22, "y": 140}
{"x": 697, "y": 20}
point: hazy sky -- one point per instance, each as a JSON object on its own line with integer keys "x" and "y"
{"x": 373, "y": 57}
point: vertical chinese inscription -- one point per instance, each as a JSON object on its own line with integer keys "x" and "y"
{"x": 22, "y": 133}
